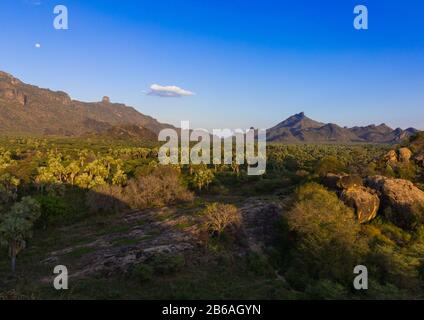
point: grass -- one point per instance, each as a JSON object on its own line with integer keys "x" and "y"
{"x": 79, "y": 252}
{"x": 125, "y": 242}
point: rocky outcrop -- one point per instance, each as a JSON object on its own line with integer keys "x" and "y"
{"x": 401, "y": 200}
{"x": 9, "y": 93}
{"x": 27, "y": 109}
{"x": 259, "y": 220}
{"x": 145, "y": 234}
{"x": 405, "y": 155}
{"x": 352, "y": 192}
{"x": 391, "y": 157}
{"x": 419, "y": 158}
{"x": 342, "y": 181}
{"x": 401, "y": 156}
{"x": 365, "y": 202}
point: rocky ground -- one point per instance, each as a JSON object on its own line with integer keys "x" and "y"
{"x": 141, "y": 235}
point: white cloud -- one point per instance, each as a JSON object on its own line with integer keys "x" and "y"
{"x": 37, "y": 45}
{"x": 168, "y": 91}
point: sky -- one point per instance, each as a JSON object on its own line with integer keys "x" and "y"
{"x": 226, "y": 64}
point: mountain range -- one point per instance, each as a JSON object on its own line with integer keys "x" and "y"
{"x": 299, "y": 128}
{"x": 28, "y": 109}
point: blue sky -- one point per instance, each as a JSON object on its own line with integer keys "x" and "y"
{"x": 249, "y": 63}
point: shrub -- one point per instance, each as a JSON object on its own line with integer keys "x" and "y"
{"x": 326, "y": 289}
{"x": 143, "y": 273}
{"x": 16, "y": 226}
{"x": 164, "y": 264}
{"x": 329, "y": 164}
{"x": 106, "y": 199}
{"x": 52, "y": 209}
{"x": 220, "y": 217}
{"x": 161, "y": 187}
{"x": 329, "y": 242}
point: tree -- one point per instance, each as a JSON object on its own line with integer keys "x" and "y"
{"x": 8, "y": 188}
{"x": 220, "y": 217}
{"x": 16, "y": 227}
{"x": 203, "y": 177}
{"x": 329, "y": 242}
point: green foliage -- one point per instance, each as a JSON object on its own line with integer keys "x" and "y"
{"x": 53, "y": 210}
{"x": 165, "y": 264}
{"x": 8, "y": 188}
{"x": 326, "y": 290}
{"x": 328, "y": 242}
{"x": 16, "y": 226}
{"x": 143, "y": 273}
{"x": 329, "y": 164}
{"x": 202, "y": 177}
{"x": 318, "y": 245}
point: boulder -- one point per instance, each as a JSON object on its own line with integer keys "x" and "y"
{"x": 401, "y": 200}
{"x": 419, "y": 158}
{"x": 350, "y": 181}
{"x": 405, "y": 155}
{"x": 341, "y": 182}
{"x": 391, "y": 157}
{"x": 365, "y": 202}
{"x": 331, "y": 180}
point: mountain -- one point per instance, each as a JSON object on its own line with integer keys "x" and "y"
{"x": 300, "y": 128}
{"x": 27, "y": 109}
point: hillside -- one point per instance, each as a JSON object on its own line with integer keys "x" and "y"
{"x": 300, "y": 128}
{"x": 27, "y": 109}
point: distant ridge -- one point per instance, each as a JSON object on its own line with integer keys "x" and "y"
{"x": 27, "y": 109}
{"x": 300, "y": 128}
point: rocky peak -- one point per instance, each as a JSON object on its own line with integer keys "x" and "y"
{"x": 105, "y": 99}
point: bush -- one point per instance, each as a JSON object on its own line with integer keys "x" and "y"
{"x": 329, "y": 243}
{"x": 326, "y": 289}
{"x": 143, "y": 273}
{"x": 105, "y": 199}
{"x": 165, "y": 264}
{"x": 329, "y": 164}
{"x": 52, "y": 210}
{"x": 220, "y": 217}
{"x": 161, "y": 187}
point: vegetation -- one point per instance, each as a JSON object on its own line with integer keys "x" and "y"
{"x": 71, "y": 197}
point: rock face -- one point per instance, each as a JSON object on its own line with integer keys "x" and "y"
{"x": 403, "y": 155}
{"x": 259, "y": 220}
{"x": 364, "y": 200}
{"x": 391, "y": 157}
{"x": 352, "y": 192}
{"x": 419, "y": 158}
{"x": 27, "y": 109}
{"x": 400, "y": 199}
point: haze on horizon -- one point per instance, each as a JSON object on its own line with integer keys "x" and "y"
{"x": 232, "y": 65}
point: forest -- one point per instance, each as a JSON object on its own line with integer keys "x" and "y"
{"x": 126, "y": 226}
